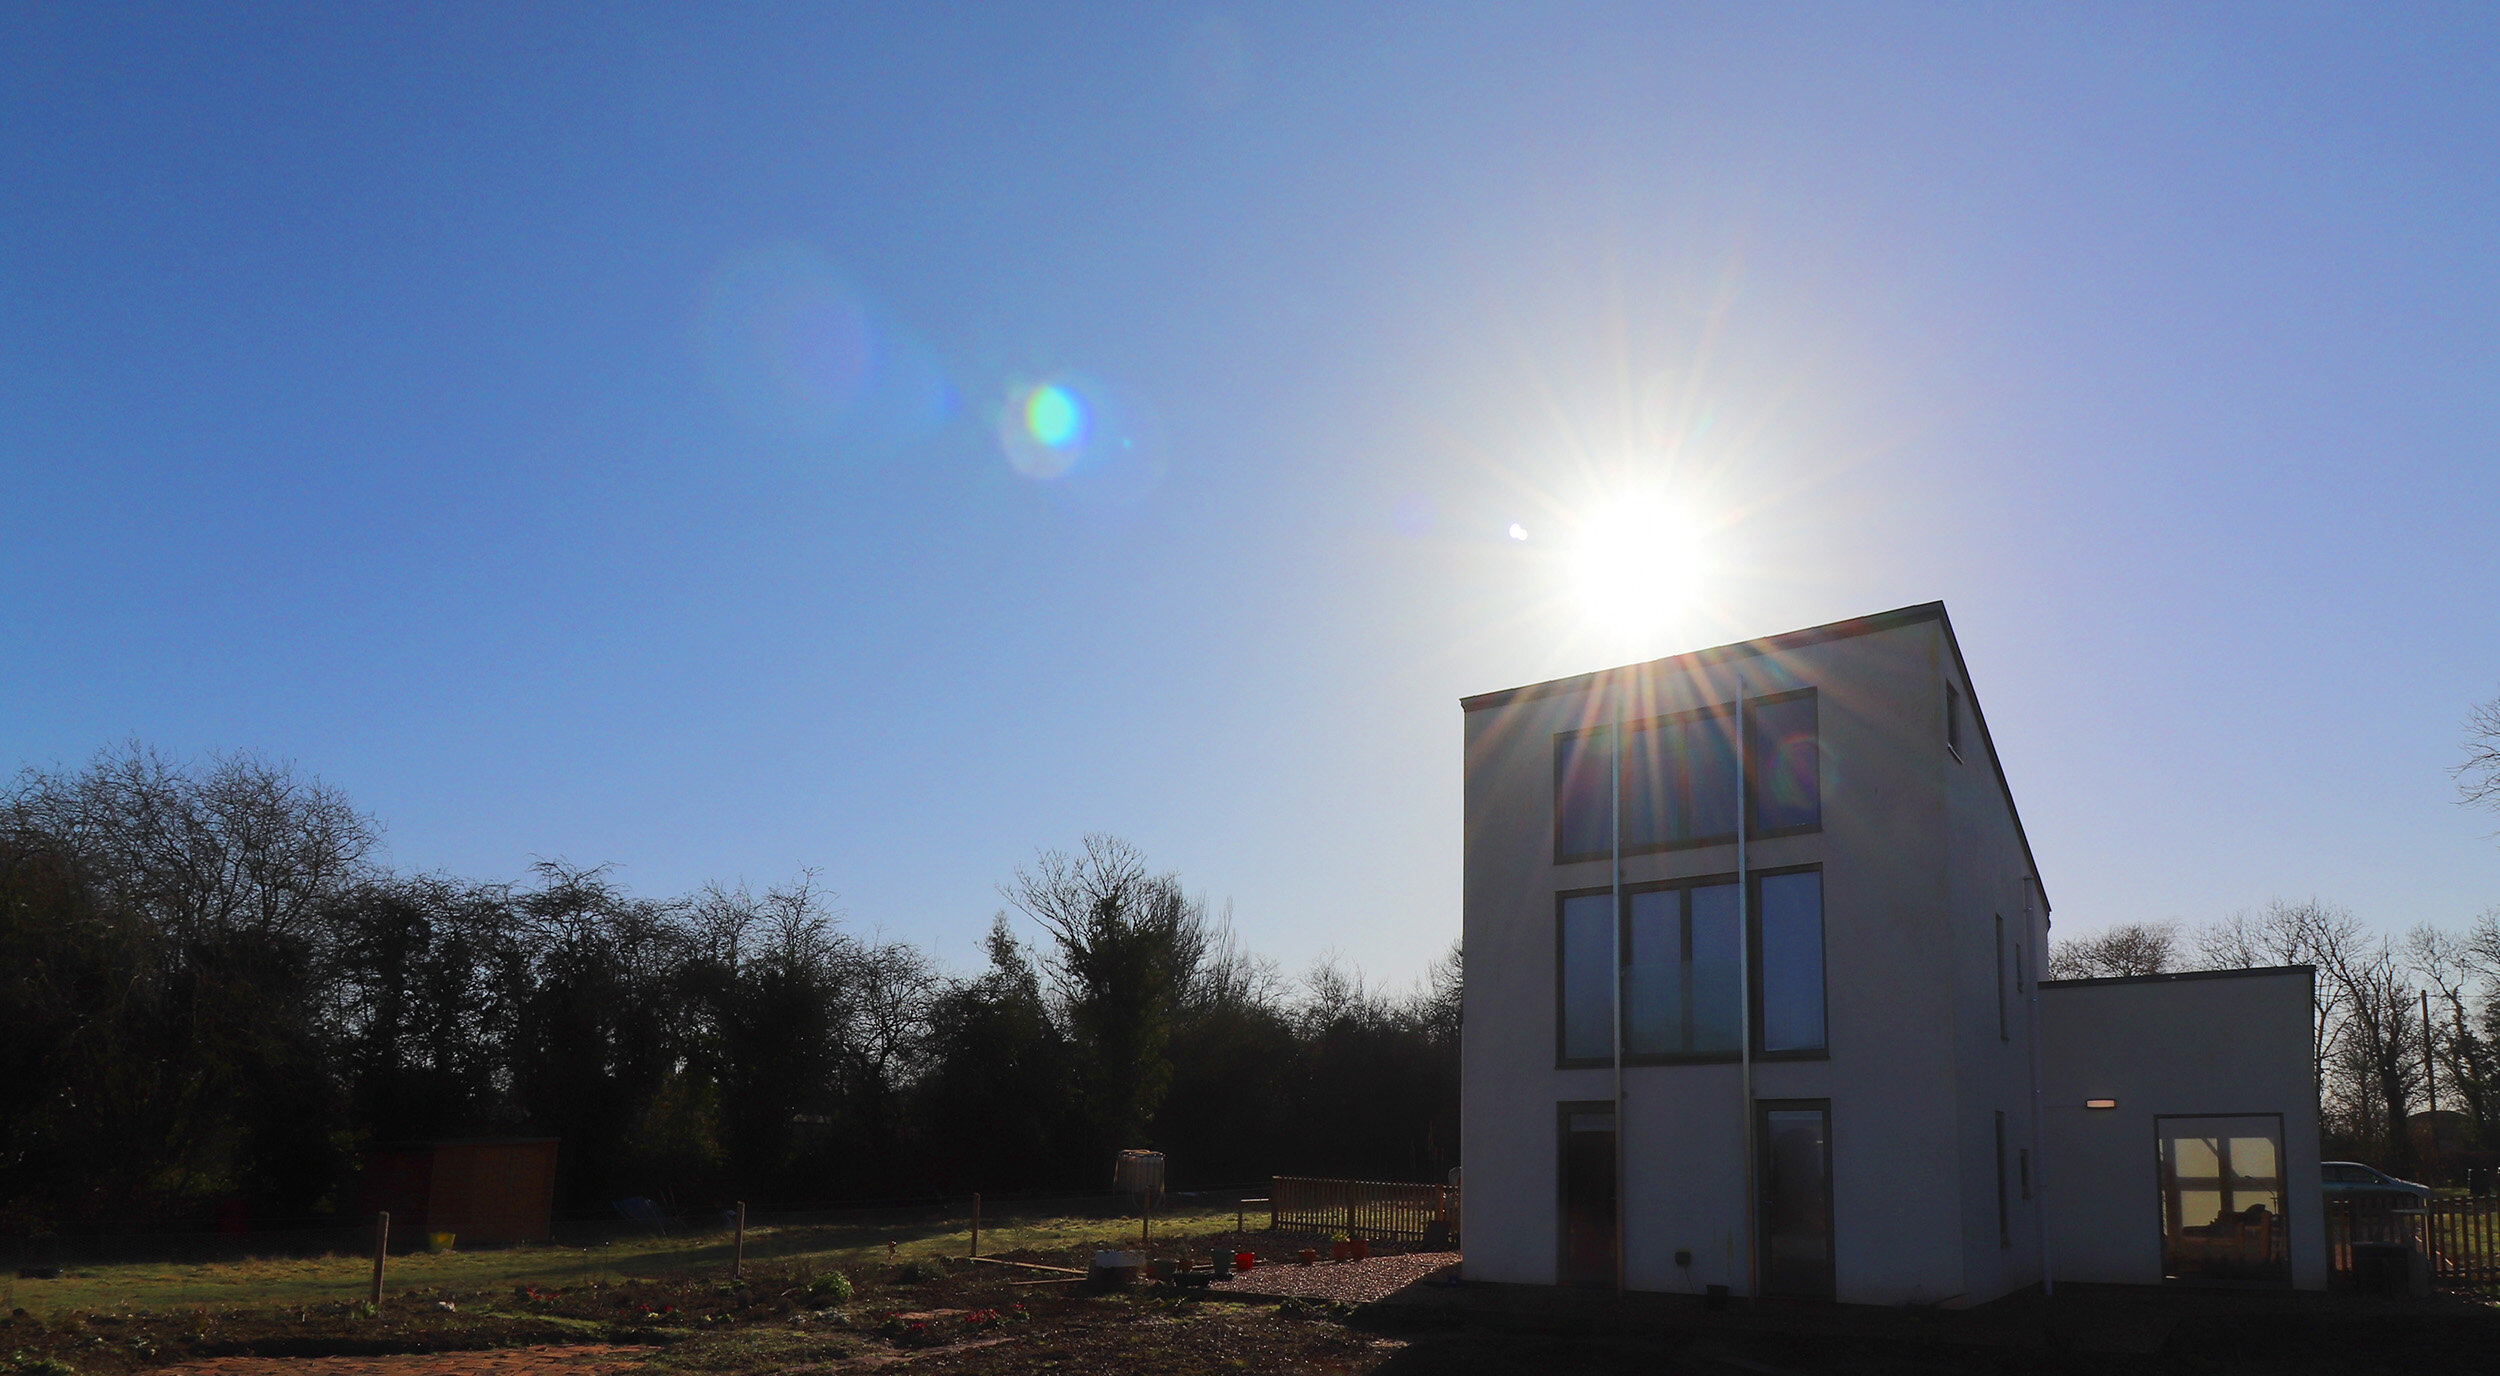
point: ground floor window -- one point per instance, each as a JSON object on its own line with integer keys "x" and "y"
{"x": 2222, "y": 1198}
{"x": 1794, "y": 1213}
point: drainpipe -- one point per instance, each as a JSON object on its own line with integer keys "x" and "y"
{"x": 2039, "y": 1138}
{"x": 1615, "y": 811}
{"x": 1744, "y": 1000}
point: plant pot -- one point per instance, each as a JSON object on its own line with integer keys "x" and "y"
{"x": 1340, "y": 1250}
{"x": 1362, "y": 1248}
{"x": 1244, "y": 1261}
{"x": 1309, "y": 1255}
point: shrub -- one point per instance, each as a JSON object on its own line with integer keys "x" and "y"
{"x": 830, "y": 1288}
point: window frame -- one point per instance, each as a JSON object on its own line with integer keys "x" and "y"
{"x": 1753, "y": 961}
{"x": 1555, "y": 793}
{"x": 1953, "y": 722}
{"x": 1752, "y": 765}
{"x": 1562, "y": 1039}
{"x": 1762, "y": 1111}
{"x": 1750, "y": 761}
{"x": 1750, "y": 914}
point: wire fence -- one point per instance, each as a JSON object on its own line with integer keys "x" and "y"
{"x": 700, "y": 1233}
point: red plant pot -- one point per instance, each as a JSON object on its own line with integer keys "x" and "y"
{"x": 1362, "y": 1248}
{"x": 1309, "y": 1255}
{"x": 1339, "y": 1251}
{"x": 1243, "y": 1261}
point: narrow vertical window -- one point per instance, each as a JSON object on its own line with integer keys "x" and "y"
{"x": 2005, "y": 1212}
{"x": 1953, "y": 720}
{"x": 1786, "y": 760}
{"x": 2022, "y": 983}
{"x": 1788, "y": 945}
{"x": 1585, "y": 947}
{"x": 1584, "y": 818}
{"x": 2004, "y": 1030}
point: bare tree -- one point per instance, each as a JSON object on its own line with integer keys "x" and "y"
{"x": 2320, "y": 935}
{"x": 2131, "y": 948}
{"x": 2478, "y": 776}
{"x": 2460, "y": 979}
{"x": 1126, "y": 944}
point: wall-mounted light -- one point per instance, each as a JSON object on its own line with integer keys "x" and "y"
{"x": 2100, "y": 1103}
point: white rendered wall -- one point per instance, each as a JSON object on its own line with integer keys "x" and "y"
{"x": 1907, "y": 949}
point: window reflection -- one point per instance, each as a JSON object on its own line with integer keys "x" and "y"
{"x": 2222, "y": 1199}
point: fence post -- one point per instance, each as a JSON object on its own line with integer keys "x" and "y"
{"x": 738, "y": 1249}
{"x": 381, "y": 1249}
{"x": 976, "y": 1223}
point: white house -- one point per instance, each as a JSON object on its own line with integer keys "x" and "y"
{"x": 1751, "y": 941}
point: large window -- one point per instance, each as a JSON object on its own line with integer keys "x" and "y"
{"x": 1679, "y": 781}
{"x": 1679, "y": 778}
{"x": 1679, "y": 982}
{"x": 2222, "y": 1198}
{"x": 1680, "y": 963}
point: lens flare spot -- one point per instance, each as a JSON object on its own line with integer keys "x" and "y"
{"x": 1054, "y": 417}
{"x": 1518, "y": 531}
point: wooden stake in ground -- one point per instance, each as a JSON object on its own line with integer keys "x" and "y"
{"x": 738, "y": 1249}
{"x": 976, "y": 1225}
{"x": 381, "y": 1249}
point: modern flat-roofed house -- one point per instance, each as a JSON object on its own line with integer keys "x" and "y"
{"x": 1752, "y": 936}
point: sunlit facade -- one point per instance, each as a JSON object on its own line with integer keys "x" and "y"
{"x": 1752, "y": 940}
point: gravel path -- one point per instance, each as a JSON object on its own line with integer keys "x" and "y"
{"x": 1351, "y": 1282}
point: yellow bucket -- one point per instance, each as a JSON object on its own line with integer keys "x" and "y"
{"x": 440, "y": 1242}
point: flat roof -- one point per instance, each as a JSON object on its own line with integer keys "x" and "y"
{"x": 1796, "y": 640}
{"x": 2177, "y": 976}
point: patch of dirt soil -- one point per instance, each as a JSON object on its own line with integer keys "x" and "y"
{"x": 585, "y": 1359}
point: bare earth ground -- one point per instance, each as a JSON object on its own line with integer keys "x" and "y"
{"x": 1389, "y": 1316}
{"x": 587, "y": 1359}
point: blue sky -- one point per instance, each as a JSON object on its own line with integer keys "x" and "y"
{"x": 609, "y": 433}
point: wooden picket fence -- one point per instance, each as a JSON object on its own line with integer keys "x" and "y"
{"x": 1370, "y": 1209}
{"x": 2460, "y": 1234}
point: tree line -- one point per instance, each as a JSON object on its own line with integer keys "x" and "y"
{"x": 212, "y": 990}
{"x": 2401, "y": 1024}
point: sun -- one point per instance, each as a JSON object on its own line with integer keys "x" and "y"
{"x": 1638, "y": 561}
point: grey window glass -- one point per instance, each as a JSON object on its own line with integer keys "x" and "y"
{"x": 1796, "y": 1207}
{"x": 1787, "y": 766}
{"x": 1708, "y": 748}
{"x": 1653, "y": 813}
{"x": 1679, "y": 781}
{"x": 1583, "y": 775}
{"x": 1792, "y": 961}
{"x": 1588, "y": 940}
{"x": 1653, "y": 980}
{"x": 1716, "y": 969}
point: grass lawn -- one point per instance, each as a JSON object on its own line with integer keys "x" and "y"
{"x": 170, "y": 1288}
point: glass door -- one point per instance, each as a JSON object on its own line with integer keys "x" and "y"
{"x": 1794, "y": 1178}
{"x": 2222, "y": 1199}
{"x": 1588, "y": 1194}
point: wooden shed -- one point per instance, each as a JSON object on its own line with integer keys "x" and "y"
{"x": 485, "y": 1190}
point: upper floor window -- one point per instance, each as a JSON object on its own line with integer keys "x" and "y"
{"x": 1953, "y": 720}
{"x": 1681, "y": 958}
{"x": 1679, "y": 778}
{"x": 1787, "y": 763}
